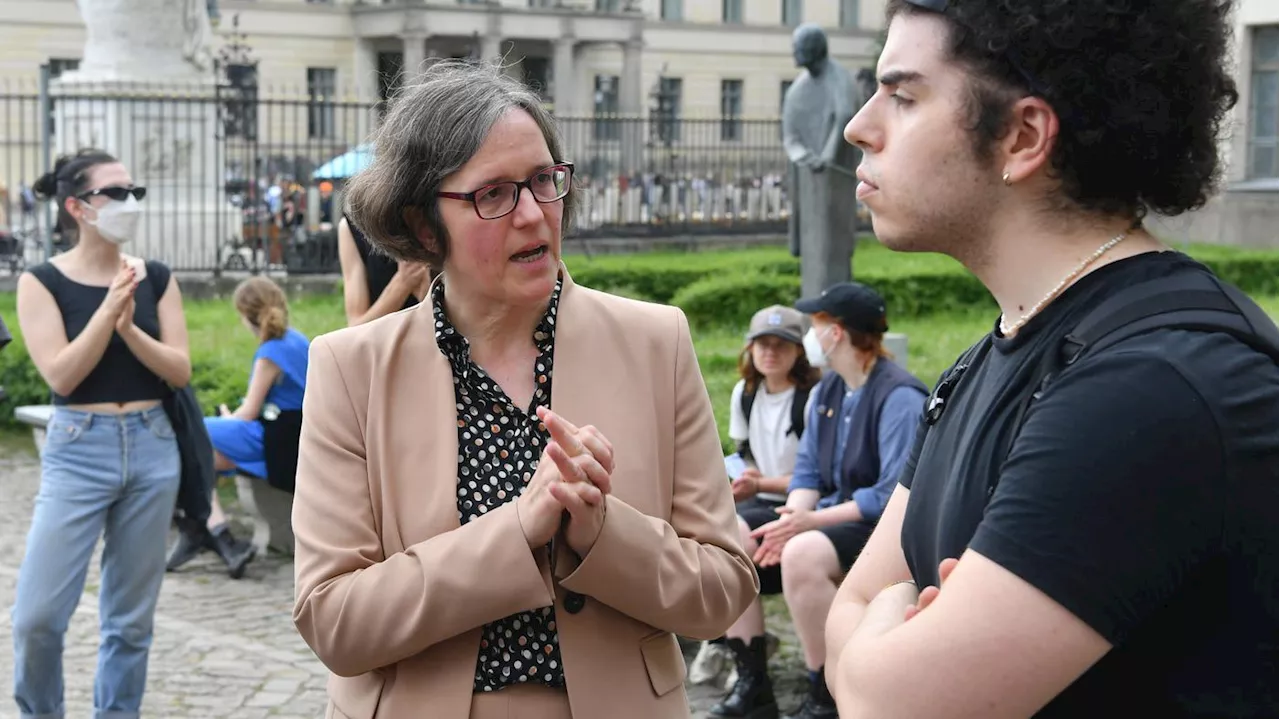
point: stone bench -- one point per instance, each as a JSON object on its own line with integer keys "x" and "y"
{"x": 38, "y": 417}
{"x": 269, "y": 509}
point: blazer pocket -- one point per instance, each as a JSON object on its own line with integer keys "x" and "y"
{"x": 663, "y": 660}
{"x": 355, "y": 697}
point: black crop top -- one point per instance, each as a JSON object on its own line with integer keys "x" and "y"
{"x": 119, "y": 376}
{"x": 378, "y": 268}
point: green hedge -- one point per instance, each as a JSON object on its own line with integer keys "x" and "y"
{"x": 724, "y": 288}
{"x": 719, "y": 290}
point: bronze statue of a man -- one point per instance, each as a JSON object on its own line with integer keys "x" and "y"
{"x": 815, "y": 110}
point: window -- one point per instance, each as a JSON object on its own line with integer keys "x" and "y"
{"x": 606, "y": 103}
{"x": 792, "y": 12}
{"x": 730, "y": 110}
{"x": 1262, "y": 104}
{"x": 782, "y": 100}
{"x": 666, "y": 125}
{"x": 672, "y": 9}
{"x": 848, "y": 13}
{"x": 606, "y": 5}
{"x": 57, "y": 66}
{"x": 731, "y": 11}
{"x": 537, "y": 73}
{"x": 322, "y": 86}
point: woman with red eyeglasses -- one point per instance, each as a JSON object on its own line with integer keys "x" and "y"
{"x": 106, "y": 330}
{"x": 510, "y": 498}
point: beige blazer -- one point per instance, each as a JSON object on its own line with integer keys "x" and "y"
{"x": 392, "y": 592}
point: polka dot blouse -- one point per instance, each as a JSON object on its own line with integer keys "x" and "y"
{"x": 498, "y": 450}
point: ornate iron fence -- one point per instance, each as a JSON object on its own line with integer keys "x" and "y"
{"x": 245, "y": 180}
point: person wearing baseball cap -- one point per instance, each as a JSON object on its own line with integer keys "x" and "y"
{"x": 859, "y": 431}
{"x": 766, "y": 419}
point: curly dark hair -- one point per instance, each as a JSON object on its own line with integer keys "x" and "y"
{"x": 1141, "y": 90}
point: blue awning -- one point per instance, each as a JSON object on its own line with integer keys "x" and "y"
{"x": 345, "y": 165}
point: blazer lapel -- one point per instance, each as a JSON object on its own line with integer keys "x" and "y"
{"x": 574, "y": 392}
{"x": 423, "y": 457}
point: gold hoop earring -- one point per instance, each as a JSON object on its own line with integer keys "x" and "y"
{"x": 1006, "y": 178}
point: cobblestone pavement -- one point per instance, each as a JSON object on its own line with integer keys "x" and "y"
{"x": 222, "y": 648}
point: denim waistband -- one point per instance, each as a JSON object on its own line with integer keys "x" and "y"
{"x": 86, "y": 419}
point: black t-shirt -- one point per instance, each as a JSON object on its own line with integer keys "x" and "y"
{"x": 1140, "y": 494}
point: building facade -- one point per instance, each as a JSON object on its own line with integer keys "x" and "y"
{"x": 728, "y": 61}
{"x": 702, "y": 57}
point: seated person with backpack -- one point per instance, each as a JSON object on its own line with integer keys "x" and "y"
{"x": 861, "y": 421}
{"x": 766, "y": 418}
{"x": 261, "y": 437}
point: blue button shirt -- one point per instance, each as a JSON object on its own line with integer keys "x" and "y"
{"x": 898, "y": 420}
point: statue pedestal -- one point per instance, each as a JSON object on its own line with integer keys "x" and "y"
{"x": 896, "y": 343}
{"x": 167, "y": 137}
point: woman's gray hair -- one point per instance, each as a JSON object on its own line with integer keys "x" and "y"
{"x": 433, "y": 128}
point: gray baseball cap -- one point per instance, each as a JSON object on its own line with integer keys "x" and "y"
{"x": 779, "y": 321}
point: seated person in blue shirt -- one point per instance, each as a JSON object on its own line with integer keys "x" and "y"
{"x": 858, "y": 433}
{"x": 240, "y": 444}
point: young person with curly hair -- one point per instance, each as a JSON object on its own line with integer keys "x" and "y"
{"x": 1104, "y": 532}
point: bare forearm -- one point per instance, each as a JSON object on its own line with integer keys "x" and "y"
{"x": 803, "y": 499}
{"x": 81, "y": 355}
{"x": 852, "y": 617}
{"x": 391, "y": 299}
{"x": 171, "y": 364}
{"x": 775, "y": 485}
{"x": 838, "y": 514}
{"x": 884, "y": 614}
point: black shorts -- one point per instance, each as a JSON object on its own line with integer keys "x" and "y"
{"x": 848, "y": 539}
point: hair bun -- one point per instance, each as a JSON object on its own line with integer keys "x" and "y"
{"x": 46, "y": 186}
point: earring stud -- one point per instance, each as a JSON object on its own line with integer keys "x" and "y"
{"x": 1006, "y": 178}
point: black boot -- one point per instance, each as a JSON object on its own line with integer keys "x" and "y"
{"x": 237, "y": 555}
{"x": 752, "y": 695}
{"x": 818, "y": 704}
{"x": 192, "y": 540}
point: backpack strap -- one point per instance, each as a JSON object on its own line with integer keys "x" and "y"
{"x": 1195, "y": 301}
{"x": 748, "y": 399}
{"x": 798, "y": 403}
{"x": 936, "y": 403}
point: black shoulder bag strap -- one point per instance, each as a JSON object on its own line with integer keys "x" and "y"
{"x": 1195, "y": 301}
{"x": 798, "y": 402}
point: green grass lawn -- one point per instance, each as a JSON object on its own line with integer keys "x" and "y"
{"x": 934, "y": 341}
{"x": 222, "y": 348}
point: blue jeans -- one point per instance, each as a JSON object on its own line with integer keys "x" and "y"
{"x": 109, "y": 473}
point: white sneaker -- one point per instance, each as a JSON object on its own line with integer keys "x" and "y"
{"x": 712, "y": 661}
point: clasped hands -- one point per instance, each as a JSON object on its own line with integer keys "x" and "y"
{"x": 573, "y": 475}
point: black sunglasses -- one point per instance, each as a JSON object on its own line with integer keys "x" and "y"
{"x": 547, "y": 185}
{"x": 940, "y": 7}
{"x": 119, "y": 194}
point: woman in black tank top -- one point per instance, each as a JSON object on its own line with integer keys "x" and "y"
{"x": 107, "y": 332}
{"x": 374, "y": 284}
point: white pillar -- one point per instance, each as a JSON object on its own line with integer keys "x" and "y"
{"x": 490, "y": 47}
{"x": 564, "y": 76}
{"x": 415, "y": 54}
{"x": 631, "y": 105}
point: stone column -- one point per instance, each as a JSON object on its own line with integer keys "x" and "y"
{"x": 565, "y": 76}
{"x": 631, "y": 106}
{"x": 415, "y": 54}
{"x": 490, "y": 47}
{"x": 365, "y": 84}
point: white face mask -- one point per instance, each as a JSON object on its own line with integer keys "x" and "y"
{"x": 118, "y": 221}
{"x": 813, "y": 348}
